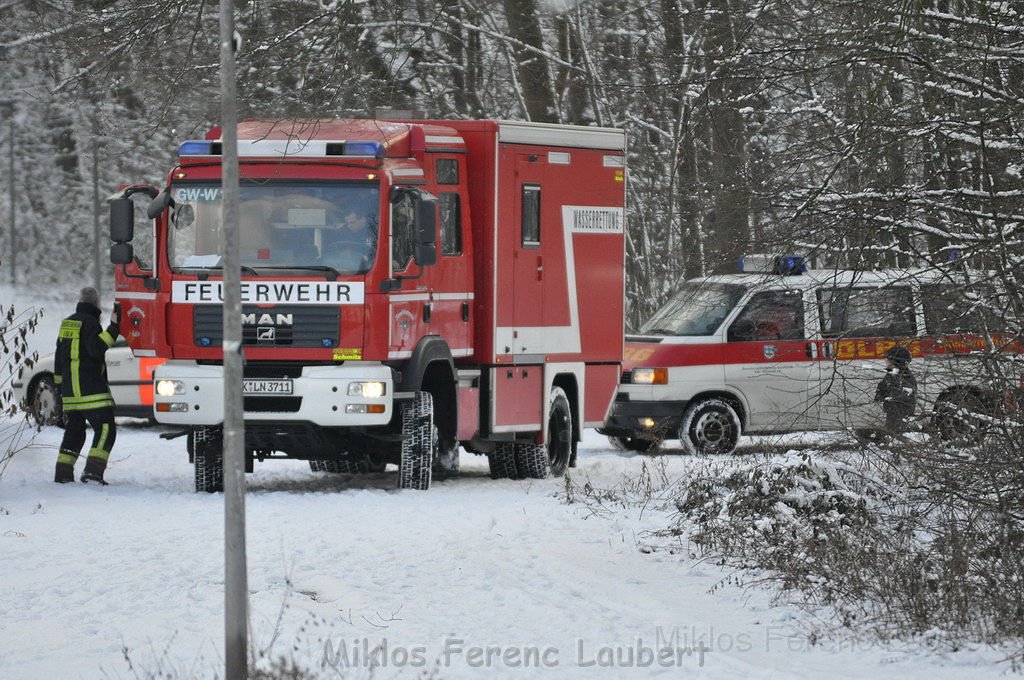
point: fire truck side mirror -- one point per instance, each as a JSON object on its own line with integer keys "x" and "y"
{"x": 122, "y": 220}
{"x": 122, "y": 253}
{"x": 426, "y": 230}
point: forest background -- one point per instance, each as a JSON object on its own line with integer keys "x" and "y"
{"x": 862, "y": 134}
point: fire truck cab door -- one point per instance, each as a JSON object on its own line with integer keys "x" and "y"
{"x": 769, "y": 360}
{"x": 529, "y": 258}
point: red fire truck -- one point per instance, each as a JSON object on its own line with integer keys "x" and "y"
{"x": 408, "y": 287}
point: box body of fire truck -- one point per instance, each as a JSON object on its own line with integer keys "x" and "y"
{"x": 407, "y": 288}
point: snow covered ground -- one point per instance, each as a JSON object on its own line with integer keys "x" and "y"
{"x": 473, "y": 563}
{"x": 127, "y": 581}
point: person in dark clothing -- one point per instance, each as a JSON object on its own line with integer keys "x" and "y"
{"x": 80, "y": 369}
{"x": 897, "y": 391}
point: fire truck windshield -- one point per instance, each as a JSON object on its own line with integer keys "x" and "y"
{"x": 697, "y": 309}
{"x": 282, "y": 225}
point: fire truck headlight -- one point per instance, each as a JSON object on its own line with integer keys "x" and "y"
{"x": 369, "y": 390}
{"x": 168, "y": 388}
{"x": 650, "y": 376}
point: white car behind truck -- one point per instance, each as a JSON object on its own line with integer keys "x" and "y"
{"x": 789, "y": 349}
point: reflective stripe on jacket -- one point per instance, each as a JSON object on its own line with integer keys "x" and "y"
{"x": 80, "y": 368}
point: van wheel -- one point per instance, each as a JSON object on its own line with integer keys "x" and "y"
{"x": 710, "y": 427}
{"x": 955, "y": 418}
{"x": 208, "y": 454}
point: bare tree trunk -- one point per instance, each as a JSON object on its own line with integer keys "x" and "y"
{"x": 524, "y": 27}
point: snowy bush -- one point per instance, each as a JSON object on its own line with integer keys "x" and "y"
{"x": 15, "y": 328}
{"x": 929, "y": 540}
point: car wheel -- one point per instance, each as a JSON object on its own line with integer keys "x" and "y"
{"x": 710, "y": 426}
{"x": 44, "y": 403}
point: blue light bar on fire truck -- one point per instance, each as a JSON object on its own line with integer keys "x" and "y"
{"x": 285, "y": 148}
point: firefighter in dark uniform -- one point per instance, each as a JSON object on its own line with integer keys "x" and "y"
{"x": 81, "y": 375}
{"x": 897, "y": 391}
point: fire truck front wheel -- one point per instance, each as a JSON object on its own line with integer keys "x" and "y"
{"x": 710, "y": 426}
{"x": 208, "y": 455}
{"x": 418, "y": 443}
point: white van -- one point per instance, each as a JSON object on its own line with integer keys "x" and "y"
{"x": 795, "y": 350}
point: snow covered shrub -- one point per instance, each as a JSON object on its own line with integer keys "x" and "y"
{"x": 15, "y": 327}
{"x": 927, "y": 540}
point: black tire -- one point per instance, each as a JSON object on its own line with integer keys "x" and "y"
{"x": 955, "y": 418}
{"x": 540, "y": 461}
{"x": 637, "y": 444}
{"x": 418, "y": 443}
{"x": 710, "y": 426}
{"x": 44, "y": 402}
{"x": 208, "y": 454}
{"x": 502, "y": 461}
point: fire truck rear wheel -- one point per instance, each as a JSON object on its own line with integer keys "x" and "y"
{"x": 539, "y": 461}
{"x": 502, "y": 461}
{"x": 415, "y": 465}
{"x": 208, "y": 454}
{"x": 710, "y": 426}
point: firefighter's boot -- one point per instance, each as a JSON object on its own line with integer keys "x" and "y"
{"x": 94, "y": 469}
{"x": 64, "y": 473}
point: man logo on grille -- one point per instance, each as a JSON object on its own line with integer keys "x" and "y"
{"x": 266, "y": 334}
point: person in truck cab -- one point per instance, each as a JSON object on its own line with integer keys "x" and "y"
{"x": 351, "y": 245}
{"x": 81, "y": 374}
{"x": 897, "y": 391}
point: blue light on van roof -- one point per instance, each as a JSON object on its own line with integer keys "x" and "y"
{"x": 374, "y": 149}
{"x": 194, "y": 148}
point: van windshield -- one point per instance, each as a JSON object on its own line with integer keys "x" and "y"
{"x": 697, "y": 309}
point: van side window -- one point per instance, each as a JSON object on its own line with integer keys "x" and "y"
{"x": 771, "y": 315}
{"x": 866, "y": 312}
{"x": 954, "y": 309}
{"x": 451, "y": 223}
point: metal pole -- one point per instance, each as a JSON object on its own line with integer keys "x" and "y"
{"x": 97, "y": 273}
{"x": 236, "y": 605}
{"x": 11, "y": 199}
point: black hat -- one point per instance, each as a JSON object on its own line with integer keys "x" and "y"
{"x": 899, "y": 356}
